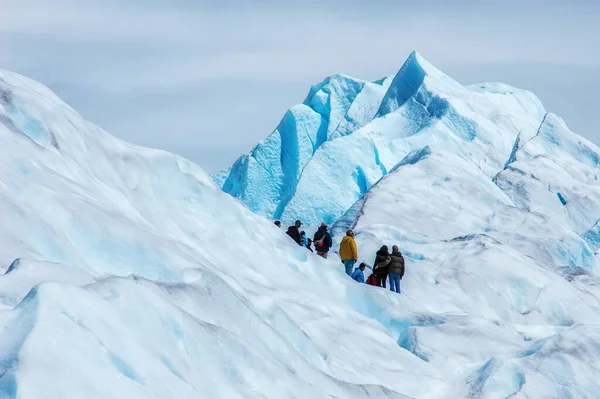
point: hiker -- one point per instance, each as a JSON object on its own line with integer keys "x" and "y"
{"x": 348, "y": 252}
{"x": 308, "y": 246}
{"x": 322, "y": 241}
{"x": 396, "y": 269}
{"x": 381, "y": 265}
{"x": 294, "y": 232}
{"x": 358, "y": 274}
{"x": 278, "y": 223}
{"x": 303, "y": 239}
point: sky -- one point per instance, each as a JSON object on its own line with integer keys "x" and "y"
{"x": 209, "y": 79}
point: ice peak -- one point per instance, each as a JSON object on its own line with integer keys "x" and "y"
{"x": 416, "y": 58}
{"x": 416, "y": 61}
{"x": 331, "y": 82}
{"x": 408, "y": 80}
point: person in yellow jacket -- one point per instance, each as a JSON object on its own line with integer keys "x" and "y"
{"x": 348, "y": 252}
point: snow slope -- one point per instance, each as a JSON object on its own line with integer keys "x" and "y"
{"x": 419, "y": 106}
{"x": 129, "y": 274}
{"x": 512, "y": 263}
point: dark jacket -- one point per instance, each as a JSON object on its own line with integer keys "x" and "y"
{"x": 295, "y": 234}
{"x": 327, "y": 243}
{"x": 397, "y": 264}
{"x": 381, "y": 264}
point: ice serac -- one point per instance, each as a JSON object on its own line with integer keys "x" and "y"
{"x": 333, "y": 108}
{"x": 383, "y": 123}
{"x": 478, "y": 125}
{"x": 408, "y": 81}
{"x": 129, "y": 274}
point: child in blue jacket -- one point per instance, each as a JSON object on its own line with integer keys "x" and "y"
{"x": 358, "y": 274}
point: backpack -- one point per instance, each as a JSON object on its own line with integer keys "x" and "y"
{"x": 372, "y": 280}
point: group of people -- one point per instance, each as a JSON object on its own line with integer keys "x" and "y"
{"x": 321, "y": 240}
{"x": 386, "y": 265}
{"x": 389, "y": 265}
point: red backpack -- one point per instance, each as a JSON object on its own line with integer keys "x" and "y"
{"x": 372, "y": 280}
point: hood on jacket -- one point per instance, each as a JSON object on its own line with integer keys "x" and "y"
{"x": 322, "y": 229}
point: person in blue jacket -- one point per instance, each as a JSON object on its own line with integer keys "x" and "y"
{"x": 358, "y": 274}
{"x": 304, "y": 239}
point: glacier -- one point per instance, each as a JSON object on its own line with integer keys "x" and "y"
{"x": 131, "y": 273}
{"x": 294, "y": 174}
{"x": 494, "y": 203}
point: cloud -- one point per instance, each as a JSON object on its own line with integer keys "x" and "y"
{"x": 245, "y": 62}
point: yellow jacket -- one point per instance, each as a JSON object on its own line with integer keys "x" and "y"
{"x": 348, "y": 249}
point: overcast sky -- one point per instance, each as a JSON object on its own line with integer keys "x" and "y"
{"x": 208, "y": 79}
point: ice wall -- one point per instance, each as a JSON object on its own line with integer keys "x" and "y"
{"x": 419, "y": 106}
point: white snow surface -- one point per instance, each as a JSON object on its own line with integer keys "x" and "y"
{"x": 129, "y": 274}
{"x": 511, "y": 294}
{"x": 512, "y": 258}
{"x": 133, "y": 276}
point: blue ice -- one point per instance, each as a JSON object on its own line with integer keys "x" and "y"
{"x": 30, "y": 126}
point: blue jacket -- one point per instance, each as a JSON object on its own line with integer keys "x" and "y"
{"x": 304, "y": 239}
{"x": 358, "y": 275}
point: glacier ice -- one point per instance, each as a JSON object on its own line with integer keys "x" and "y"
{"x": 554, "y": 173}
{"x": 130, "y": 274}
{"x": 419, "y": 106}
{"x": 503, "y": 252}
{"x": 334, "y": 108}
{"x": 494, "y": 203}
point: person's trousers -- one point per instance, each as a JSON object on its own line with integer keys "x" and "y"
{"x": 394, "y": 282}
{"x": 381, "y": 281}
{"x": 349, "y": 265}
{"x": 322, "y": 254}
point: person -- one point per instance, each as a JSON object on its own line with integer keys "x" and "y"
{"x": 294, "y": 232}
{"x": 278, "y": 223}
{"x": 322, "y": 241}
{"x": 308, "y": 246}
{"x": 396, "y": 269}
{"x": 303, "y": 238}
{"x": 348, "y": 252}
{"x": 381, "y": 265}
{"x": 358, "y": 275}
